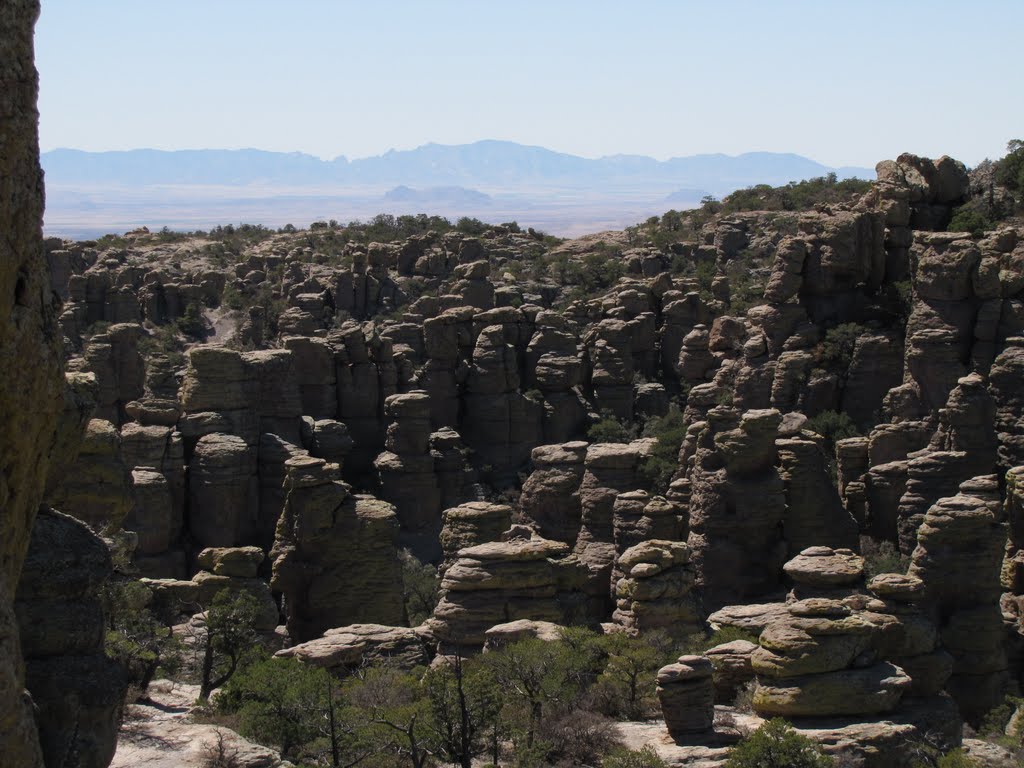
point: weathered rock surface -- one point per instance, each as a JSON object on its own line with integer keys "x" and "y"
{"x": 609, "y": 469}
{"x": 958, "y": 556}
{"x": 97, "y": 488}
{"x": 77, "y": 690}
{"x": 686, "y": 691}
{"x": 347, "y": 648}
{"x": 495, "y": 583}
{"x": 470, "y": 524}
{"x": 335, "y": 559}
{"x": 160, "y": 733}
{"x": 655, "y": 591}
{"x": 733, "y": 668}
{"x": 407, "y": 477}
{"x": 513, "y": 631}
{"x": 30, "y": 390}
{"x": 550, "y": 498}
{"x": 737, "y": 507}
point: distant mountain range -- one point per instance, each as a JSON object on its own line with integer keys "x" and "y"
{"x": 90, "y": 193}
{"x": 490, "y": 165}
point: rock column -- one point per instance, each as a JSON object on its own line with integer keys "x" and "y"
{"x": 686, "y": 691}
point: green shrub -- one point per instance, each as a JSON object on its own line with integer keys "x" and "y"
{"x": 956, "y": 759}
{"x": 279, "y": 701}
{"x": 776, "y": 745}
{"x": 634, "y": 758}
{"x": 969, "y": 219}
{"x": 883, "y": 557}
{"x": 835, "y": 353}
{"x": 657, "y": 468}
{"x": 833, "y": 426}
{"x": 168, "y": 235}
{"x": 795, "y": 196}
{"x": 232, "y": 298}
{"x": 1010, "y": 170}
{"x": 164, "y": 340}
{"x": 996, "y": 721}
{"x": 626, "y": 686}
{"x": 136, "y": 638}
{"x": 471, "y": 226}
{"x": 111, "y": 242}
{"x": 419, "y": 587}
{"x": 608, "y": 430}
{"x": 192, "y": 323}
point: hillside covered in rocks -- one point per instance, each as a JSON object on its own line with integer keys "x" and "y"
{"x": 802, "y": 424}
{"x": 414, "y": 493}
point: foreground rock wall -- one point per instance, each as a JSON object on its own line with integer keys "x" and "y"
{"x": 30, "y": 390}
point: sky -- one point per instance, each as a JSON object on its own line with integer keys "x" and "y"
{"x": 844, "y": 83}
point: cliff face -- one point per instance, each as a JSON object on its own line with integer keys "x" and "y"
{"x": 31, "y": 387}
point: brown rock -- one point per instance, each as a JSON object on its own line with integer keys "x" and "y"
{"x": 350, "y": 647}
{"x": 335, "y": 557}
{"x": 686, "y": 691}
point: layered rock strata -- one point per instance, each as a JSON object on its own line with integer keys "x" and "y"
{"x": 495, "y": 583}
{"x": 959, "y": 552}
{"x": 655, "y": 591}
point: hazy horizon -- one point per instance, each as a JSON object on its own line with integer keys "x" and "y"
{"x": 845, "y": 84}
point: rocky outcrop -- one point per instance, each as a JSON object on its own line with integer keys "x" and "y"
{"x": 500, "y": 424}
{"x": 334, "y": 559}
{"x": 910, "y": 637}
{"x": 77, "y": 690}
{"x": 222, "y": 492}
{"x": 97, "y": 488}
{"x": 115, "y": 360}
{"x": 809, "y": 664}
{"x": 241, "y": 394}
{"x": 366, "y": 376}
{"x": 495, "y": 583}
{"x": 733, "y": 669}
{"x": 638, "y": 517}
{"x": 230, "y": 569}
{"x": 814, "y": 512}
{"x": 686, "y": 691}
{"x": 501, "y": 635}
{"x": 30, "y": 390}
{"x": 455, "y": 476}
{"x": 963, "y": 446}
{"x": 1006, "y": 383}
{"x": 958, "y": 556}
{"x": 1012, "y": 574}
{"x": 470, "y": 524}
{"x": 407, "y": 476}
{"x": 737, "y": 507}
{"x": 156, "y": 525}
{"x": 824, "y": 572}
{"x": 347, "y": 648}
{"x": 550, "y": 498}
{"x": 609, "y": 469}
{"x": 655, "y": 591}
{"x": 555, "y": 367}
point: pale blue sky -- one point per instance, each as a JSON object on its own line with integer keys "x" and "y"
{"x": 845, "y": 83}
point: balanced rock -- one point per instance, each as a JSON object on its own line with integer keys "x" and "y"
{"x": 494, "y": 583}
{"x": 686, "y": 691}
{"x": 655, "y": 591}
